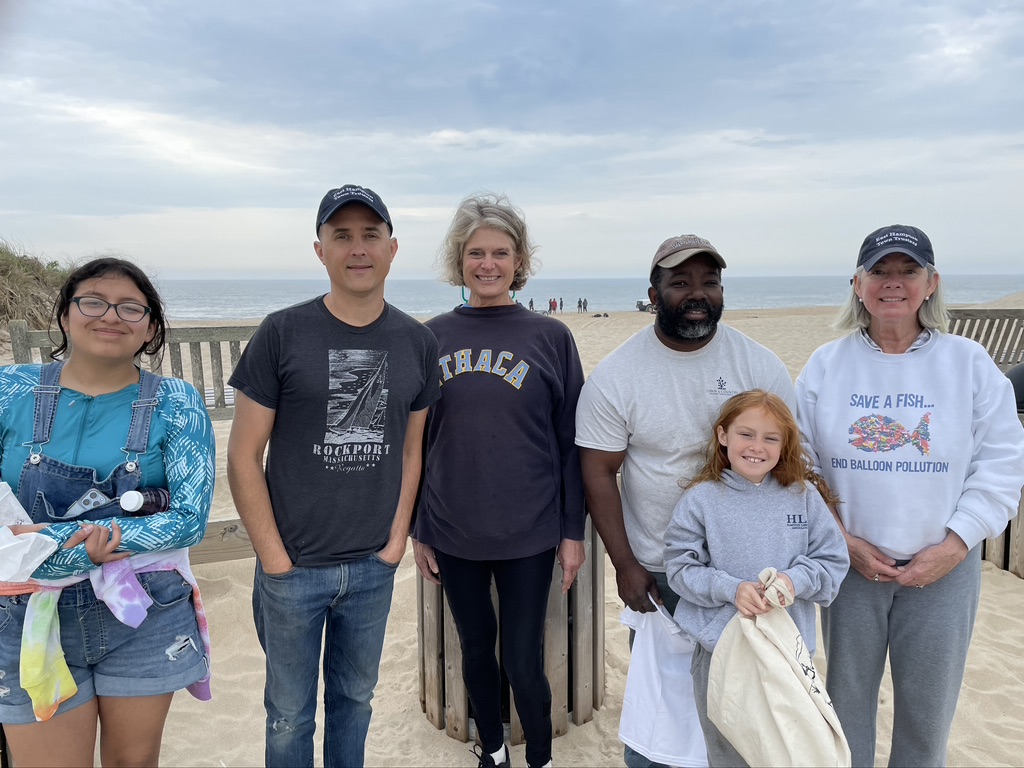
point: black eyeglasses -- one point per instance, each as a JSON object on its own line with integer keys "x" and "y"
{"x": 128, "y": 311}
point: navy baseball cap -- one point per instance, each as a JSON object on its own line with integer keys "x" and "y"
{"x": 896, "y": 238}
{"x": 350, "y": 193}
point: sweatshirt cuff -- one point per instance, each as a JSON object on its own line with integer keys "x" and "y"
{"x": 801, "y": 583}
{"x": 574, "y": 527}
{"x": 724, "y": 588}
{"x": 971, "y": 530}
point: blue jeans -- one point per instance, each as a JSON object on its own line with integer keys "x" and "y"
{"x": 290, "y": 611}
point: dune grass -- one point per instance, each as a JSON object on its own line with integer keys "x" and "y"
{"x": 27, "y": 287}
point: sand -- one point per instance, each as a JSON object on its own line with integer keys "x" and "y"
{"x": 228, "y": 731}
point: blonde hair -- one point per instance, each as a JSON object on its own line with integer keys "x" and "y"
{"x": 793, "y": 467}
{"x": 495, "y": 212}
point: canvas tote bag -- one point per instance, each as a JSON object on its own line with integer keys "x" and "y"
{"x": 765, "y": 695}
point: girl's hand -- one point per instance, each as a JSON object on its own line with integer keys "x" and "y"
{"x": 780, "y": 576}
{"x": 18, "y": 530}
{"x": 749, "y": 601}
{"x": 101, "y": 543}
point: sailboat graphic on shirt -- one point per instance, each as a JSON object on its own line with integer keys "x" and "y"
{"x": 358, "y": 396}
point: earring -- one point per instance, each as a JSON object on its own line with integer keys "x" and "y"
{"x": 860, "y": 299}
{"x": 928, "y": 298}
{"x": 513, "y": 295}
{"x": 464, "y": 299}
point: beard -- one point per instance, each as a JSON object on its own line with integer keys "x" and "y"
{"x": 673, "y": 323}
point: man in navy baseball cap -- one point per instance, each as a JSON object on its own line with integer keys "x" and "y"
{"x": 330, "y": 503}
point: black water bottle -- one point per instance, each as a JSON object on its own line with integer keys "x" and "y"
{"x": 145, "y": 501}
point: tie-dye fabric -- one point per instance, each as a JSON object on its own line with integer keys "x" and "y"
{"x": 44, "y": 672}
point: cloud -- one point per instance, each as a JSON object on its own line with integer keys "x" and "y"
{"x": 200, "y": 136}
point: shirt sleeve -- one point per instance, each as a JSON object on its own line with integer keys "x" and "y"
{"x": 992, "y": 488}
{"x": 599, "y": 423}
{"x": 687, "y": 562}
{"x": 431, "y": 391}
{"x": 782, "y": 386}
{"x": 189, "y": 463}
{"x": 806, "y": 401}
{"x": 256, "y": 374}
{"x": 817, "y": 574}
{"x": 573, "y": 510}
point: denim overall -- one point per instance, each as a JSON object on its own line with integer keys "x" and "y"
{"x": 54, "y": 492}
{"x": 161, "y": 650}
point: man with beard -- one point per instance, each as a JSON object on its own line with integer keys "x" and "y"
{"x": 647, "y": 409}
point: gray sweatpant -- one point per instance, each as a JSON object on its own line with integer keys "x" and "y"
{"x": 926, "y": 633}
{"x": 721, "y": 753}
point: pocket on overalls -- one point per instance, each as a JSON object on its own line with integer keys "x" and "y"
{"x": 8, "y": 606}
{"x": 167, "y": 588}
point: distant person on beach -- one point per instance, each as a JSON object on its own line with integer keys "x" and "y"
{"x": 106, "y": 627}
{"x": 917, "y": 432}
{"x": 531, "y": 305}
{"x": 648, "y": 407}
{"x": 561, "y": 306}
{"x": 579, "y": 305}
{"x": 755, "y": 504}
{"x": 509, "y": 385}
{"x": 339, "y": 386}
{"x": 584, "y": 305}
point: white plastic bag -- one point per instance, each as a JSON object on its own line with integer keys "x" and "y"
{"x": 19, "y": 555}
{"x": 765, "y": 695}
{"x": 659, "y": 717}
{"x": 11, "y": 511}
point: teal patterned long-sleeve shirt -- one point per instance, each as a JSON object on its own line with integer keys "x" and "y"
{"x": 91, "y": 431}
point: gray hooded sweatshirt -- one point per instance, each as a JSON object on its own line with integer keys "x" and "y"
{"x": 724, "y": 533}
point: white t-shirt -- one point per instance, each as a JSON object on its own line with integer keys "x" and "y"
{"x": 658, "y": 405}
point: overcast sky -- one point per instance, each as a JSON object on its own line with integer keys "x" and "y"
{"x": 198, "y": 136}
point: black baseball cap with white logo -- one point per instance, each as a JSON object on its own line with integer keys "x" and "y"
{"x": 351, "y": 193}
{"x": 896, "y": 238}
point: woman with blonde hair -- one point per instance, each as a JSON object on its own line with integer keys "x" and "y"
{"x": 502, "y": 492}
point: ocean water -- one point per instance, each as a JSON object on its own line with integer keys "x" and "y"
{"x": 252, "y": 299}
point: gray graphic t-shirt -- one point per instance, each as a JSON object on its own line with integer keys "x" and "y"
{"x": 342, "y": 397}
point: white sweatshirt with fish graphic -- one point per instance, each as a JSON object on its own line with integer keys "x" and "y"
{"x": 914, "y": 444}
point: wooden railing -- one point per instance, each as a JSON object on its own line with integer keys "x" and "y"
{"x": 999, "y": 331}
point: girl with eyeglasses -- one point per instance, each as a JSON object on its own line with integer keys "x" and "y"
{"x": 108, "y": 625}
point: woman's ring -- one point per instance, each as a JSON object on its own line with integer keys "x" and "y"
{"x": 876, "y": 577}
{"x": 920, "y": 586}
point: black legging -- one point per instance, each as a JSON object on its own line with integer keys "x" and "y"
{"x": 523, "y": 586}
